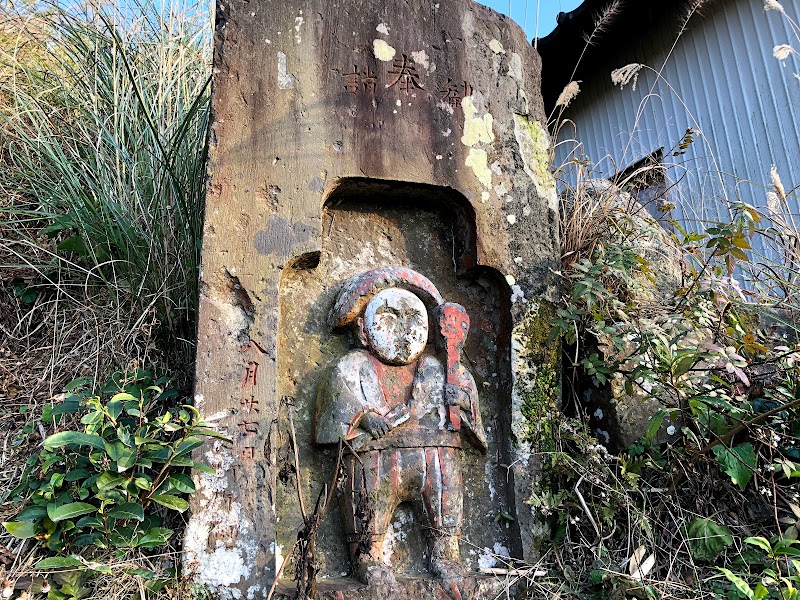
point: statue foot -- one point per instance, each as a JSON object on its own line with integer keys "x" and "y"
{"x": 375, "y": 574}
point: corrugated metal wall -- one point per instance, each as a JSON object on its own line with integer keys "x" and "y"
{"x": 720, "y": 79}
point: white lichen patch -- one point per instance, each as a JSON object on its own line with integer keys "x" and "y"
{"x": 298, "y": 23}
{"x": 515, "y": 68}
{"x": 278, "y": 555}
{"x": 219, "y": 548}
{"x": 485, "y": 197}
{"x": 285, "y": 79}
{"x": 534, "y": 143}
{"x": 517, "y": 295}
{"x": 496, "y": 47}
{"x": 500, "y": 190}
{"x": 396, "y": 533}
{"x": 445, "y": 107}
{"x": 512, "y": 219}
{"x": 478, "y": 160}
{"x": 231, "y": 320}
{"x": 477, "y": 129}
{"x": 510, "y": 279}
{"x": 489, "y": 557}
{"x": 421, "y": 58}
{"x": 382, "y": 50}
{"x": 382, "y": 28}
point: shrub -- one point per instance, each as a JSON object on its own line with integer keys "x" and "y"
{"x": 106, "y": 486}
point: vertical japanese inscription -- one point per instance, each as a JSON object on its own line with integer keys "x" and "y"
{"x": 406, "y": 75}
{"x": 453, "y": 93}
{"x": 248, "y": 405}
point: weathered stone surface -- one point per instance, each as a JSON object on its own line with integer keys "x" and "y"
{"x": 349, "y": 135}
{"x": 479, "y": 587}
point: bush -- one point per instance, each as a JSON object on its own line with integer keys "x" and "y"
{"x": 107, "y": 486}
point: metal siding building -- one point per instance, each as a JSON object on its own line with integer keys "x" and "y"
{"x": 719, "y": 77}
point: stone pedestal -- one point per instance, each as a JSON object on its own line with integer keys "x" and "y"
{"x": 349, "y": 135}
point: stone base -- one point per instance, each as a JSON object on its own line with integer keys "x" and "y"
{"x": 473, "y": 587}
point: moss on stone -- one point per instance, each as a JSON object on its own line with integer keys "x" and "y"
{"x": 542, "y": 404}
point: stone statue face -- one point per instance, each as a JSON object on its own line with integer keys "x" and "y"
{"x": 395, "y": 326}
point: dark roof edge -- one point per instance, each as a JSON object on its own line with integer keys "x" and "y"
{"x": 565, "y": 20}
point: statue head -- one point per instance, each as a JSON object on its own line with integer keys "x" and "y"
{"x": 394, "y": 326}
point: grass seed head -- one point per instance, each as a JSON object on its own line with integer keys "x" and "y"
{"x": 773, "y": 5}
{"x": 568, "y": 94}
{"x": 782, "y": 51}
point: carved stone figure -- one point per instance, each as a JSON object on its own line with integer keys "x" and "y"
{"x": 405, "y": 411}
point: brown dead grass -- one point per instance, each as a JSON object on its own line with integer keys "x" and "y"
{"x": 72, "y": 329}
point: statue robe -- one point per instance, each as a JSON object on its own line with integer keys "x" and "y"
{"x": 353, "y": 388}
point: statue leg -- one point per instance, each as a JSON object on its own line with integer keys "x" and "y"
{"x": 368, "y": 503}
{"x": 443, "y": 500}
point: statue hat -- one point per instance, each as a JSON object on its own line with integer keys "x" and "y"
{"x": 357, "y": 291}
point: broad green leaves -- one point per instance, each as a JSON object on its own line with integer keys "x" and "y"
{"x": 65, "y": 438}
{"x": 21, "y": 530}
{"x": 707, "y": 539}
{"x": 738, "y": 462}
{"x": 98, "y": 487}
{"x": 68, "y": 511}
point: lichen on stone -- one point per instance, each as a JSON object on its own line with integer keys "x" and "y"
{"x": 534, "y": 147}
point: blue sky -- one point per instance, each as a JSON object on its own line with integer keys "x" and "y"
{"x": 547, "y": 9}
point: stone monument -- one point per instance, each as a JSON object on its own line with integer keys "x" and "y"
{"x": 380, "y": 247}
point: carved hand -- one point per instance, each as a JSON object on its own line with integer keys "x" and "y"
{"x": 375, "y": 425}
{"x": 457, "y": 396}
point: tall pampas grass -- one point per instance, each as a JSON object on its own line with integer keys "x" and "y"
{"x": 102, "y": 131}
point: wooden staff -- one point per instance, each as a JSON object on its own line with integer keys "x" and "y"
{"x": 454, "y": 323}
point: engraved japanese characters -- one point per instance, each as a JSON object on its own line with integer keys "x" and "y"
{"x": 405, "y": 407}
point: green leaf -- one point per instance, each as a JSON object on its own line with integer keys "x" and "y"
{"x": 58, "y": 562}
{"x": 68, "y": 511}
{"x": 741, "y": 584}
{"x": 188, "y": 445}
{"x": 170, "y": 501}
{"x": 65, "y": 438}
{"x": 129, "y": 510}
{"x": 203, "y": 468}
{"x": 21, "y": 529}
{"x": 761, "y": 542}
{"x": 89, "y": 521}
{"x": 654, "y": 425}
{"x": 114, "y": 408}
{"x": 74, "y": 244}
{"x": 126, "y": 460}
{"x": 708, "y": 539}
{"x": 205, "y": 431}
{"x": 76, "y": 474}
{"x": 684, "y": 364}
{"x": 182, "y": 483}
{"x": 738, "y": 462}
{"x": 109, "y": 480}
{"x": 760, "y": 592}
{"x": 32, "y": 513}
{"x": 142, "y": 483}
{"x": 157, "y": 536}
